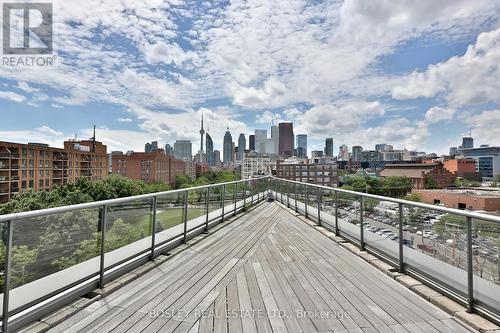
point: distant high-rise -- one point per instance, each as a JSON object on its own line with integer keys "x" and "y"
{"x": 251, "y": 142}
{"x": 381, "y": 146}
{"x": 357, "y": 153}
{"x": 260, "y": 140}
{"x": 316, "y": 153}
{"x": 343, "y": 153}
{"x": 150, "y": 147}
{"x": 227, "y": 148}
{"x": 242, "y": 143}
{"x": 274, "y": 145}
{"x": 301, "y": 145}
{"x": 329, "y": 147}
{"x": 183, "y": 150}
{"x": 169, "y": 150}
{"x": 467, "y": 142}
{"x": 286, "y": 139}
{"x": 210, "y": 150}
{"x": 216, "y": 158}
{"x": 453, "y": 151}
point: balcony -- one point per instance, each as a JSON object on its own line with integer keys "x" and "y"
{"x": 262, "y": 266}
{"x": 4, "y": 155}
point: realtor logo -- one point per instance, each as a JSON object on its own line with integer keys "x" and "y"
{"x": 27, "y": 28}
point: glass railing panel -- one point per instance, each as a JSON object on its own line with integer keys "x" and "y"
{"x": 240, "y": 194}
{"x": 169, "y": 217}
{"x": 128, "y": 230}
{"x": 349, "y": 214}
{"x": 485, "y": 260}
{"x": 196, "y": 207}
{"x": 51, "y": 252}
{"x": 436, "y": 245}
{"x": 381, "y": 226}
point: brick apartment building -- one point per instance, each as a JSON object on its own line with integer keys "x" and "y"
{"x": 461, "y": 167}
{"x": 313, "y": 173}
{"x": 40, "y": 167}
{"x": 419, "y": 172}
{"x": 152, "y": 167}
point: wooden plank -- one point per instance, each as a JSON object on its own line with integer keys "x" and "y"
{"x": 220, "y": 322}
{"x": 261, "y": 320}
{"x": 207, "y": 320}
{"x": 247, "y": 313}
{"x": 233, "y": 307}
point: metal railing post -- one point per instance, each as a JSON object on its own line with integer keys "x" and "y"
{"x": 306, "y": 199}
{"x": 319, "y": 205}
{"x": 337, "y": 214}
{"x": 470, "y": 267}
{"x": 401, "y": 239}
{"x": 223, "y": 199}
{"x": 245, "y": 194}
{"x": 207, "y": 208}
{"x": 186, "y": 194}
{"x": 235, "y": 189}
{"x": 6, "y": 278}
{"x": 288, "y": 195}
{"x": 296, "y": 199}
{"x": 361, "y": 233}
{"x": 103, "y": 248}
{"x": 153, "y": 229}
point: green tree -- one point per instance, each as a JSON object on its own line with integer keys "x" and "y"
{"x": 413, "y": 197}
{"x": 23, "y": 258}
{"x": 430, "y": 182}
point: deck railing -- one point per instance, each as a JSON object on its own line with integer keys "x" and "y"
{"x": 52, "y": 256}
{"x": 454, "y": 251}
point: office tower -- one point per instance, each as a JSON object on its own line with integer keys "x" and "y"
{"x": 381, "y": 147}
{"x": 467, "y": 142}
{"x": 210, "y": 150}
{"x": 301, "y": 145}
{"x": 274, "y": 144}
{"x": 242, "y": 144}
{"x": 169, "y": 150}
{"x": 286, "y": 139}
{"x": 183, "y": 150}
{"x": 343, "y": 153}
{"x": 260, "y": 140}
{"x": 150, "y": 147}
{"x": 216, "y": 158}
{"x": 227, "y": 148}
{"x": 453, "y": 151}
{"x": 329, "y": 147}
{"x": 251, "y": 142}
{"x": 356, "y": 153}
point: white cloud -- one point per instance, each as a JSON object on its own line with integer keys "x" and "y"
{"x": 270, "y": 95}
{"x": 485, "y": 126}
{"x": 437, "y": 114}
{"x": 462, "y": 80}
{"x": 267, "y": 117}
{"x": 162, "y": 52}
{"x": 24, "y": 86}
{"x": 42, "y": 134}
{"x": 124, "y": 120}
{"x": 12, "y": 96}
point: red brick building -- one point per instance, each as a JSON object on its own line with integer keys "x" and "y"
{"x": 150, "y": 167}
{"x": 419, "y": 173}
{"x": 463, "y": 199}
{"x": 40, "y": 167}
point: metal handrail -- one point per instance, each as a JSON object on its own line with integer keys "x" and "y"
{"x": 464, "y": 213}
{"x": 98, "y": 204}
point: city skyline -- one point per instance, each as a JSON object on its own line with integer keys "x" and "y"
{"x": 425, "y": 67}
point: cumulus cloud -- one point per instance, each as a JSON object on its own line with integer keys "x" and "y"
{"x": 437, "y": 114}
{"x": 12, "y": 96}
{"x": 270, "y": 95}
{"x": 462, "y": 80}
{"x": 162, "y": 52}
{"x": 42, "y": 134}
{"x": 485, "y": 126}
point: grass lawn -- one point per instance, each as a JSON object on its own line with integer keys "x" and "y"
{"x": 167, "y": 219}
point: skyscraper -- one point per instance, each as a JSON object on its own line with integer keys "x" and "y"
{"x": 227, "y": 148}
{"x": 286, "y": 139}
{"x": 381, "y": 146}
{"x": 274, "y": 145}
{"x": 329, "y": 147}
{"x": 301, "y": 145}
{"x": 210, "y": 150}
{"x": 343, "y": 153}
{"x": 467, "y": 142}
{"x": 242, "y": 144}
{"x": 150, "y": 147}
{"x": 260, "y": 140}
{"x": 251, "y": 142}
{"x": 183, "y": 150}
{"x": 356, "y": 153}
{"x": 169, "y": 150}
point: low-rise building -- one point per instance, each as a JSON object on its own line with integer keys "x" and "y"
{"x": 190, "y": 169}
{"x": 421, "y": 174}
{"x": 40, "y": 167}
{"x": 471, "y": 199}
{"x": 255, "y": 165}
{"x": 315, "y": 173}
{"x": 150, "y": 167}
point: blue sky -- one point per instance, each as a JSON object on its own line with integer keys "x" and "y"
{"x": 418, "y": 75}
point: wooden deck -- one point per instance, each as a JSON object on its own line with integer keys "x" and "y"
{"x": 265, "y": 272}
